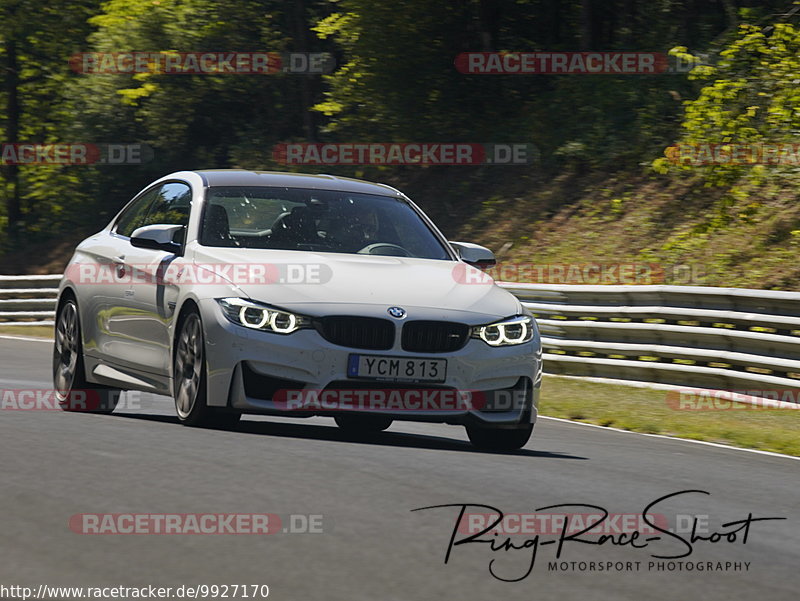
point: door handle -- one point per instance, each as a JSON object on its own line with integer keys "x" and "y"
{"x": 120, "y": 263}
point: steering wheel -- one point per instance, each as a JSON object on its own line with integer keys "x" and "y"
{"x": 381, "y": 248}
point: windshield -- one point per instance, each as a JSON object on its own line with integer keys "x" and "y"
{"x": 316, "y": 220}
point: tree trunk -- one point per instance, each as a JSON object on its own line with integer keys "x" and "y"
{"x": 306, "y": 91}
{"x": 489, "y": 17}
{"x": 13, "y": 207}
{"x": 587, "y": 41}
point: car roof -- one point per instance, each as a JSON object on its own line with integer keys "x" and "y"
{"x": 243, "y": 177}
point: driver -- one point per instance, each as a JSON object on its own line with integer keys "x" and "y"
{"x": 359, "y": 228}
{"x": 367, "y": 219}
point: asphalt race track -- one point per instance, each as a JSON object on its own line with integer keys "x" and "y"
{"x": 372, "y": 546}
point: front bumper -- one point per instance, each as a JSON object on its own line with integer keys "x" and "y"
{"x": 245, "y": 367}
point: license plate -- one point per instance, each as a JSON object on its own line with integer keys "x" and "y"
{"x": 411, "y": 369}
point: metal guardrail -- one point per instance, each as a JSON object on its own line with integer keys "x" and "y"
{"x": 719, "y": 338}
{"x": 28, "y": 300}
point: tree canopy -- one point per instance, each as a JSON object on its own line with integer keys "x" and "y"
{"x": 394, "y": 81}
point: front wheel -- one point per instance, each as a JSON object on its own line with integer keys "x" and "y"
{"x": 189, "y": 377}
{"x": 499, "y": 439}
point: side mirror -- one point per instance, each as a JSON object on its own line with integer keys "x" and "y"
{"x": 158, "y": 237}
{"x": 475, "y": 254}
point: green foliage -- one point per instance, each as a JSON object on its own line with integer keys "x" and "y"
{"x": 399, "y": 81}
{"x": 752, "y": 97}
{"x": 35, "y": 39}
{"x": 396, "y": 81}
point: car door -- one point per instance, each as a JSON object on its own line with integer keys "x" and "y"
{"x": 103, "y": 279}
{"x": 139, "y": 327}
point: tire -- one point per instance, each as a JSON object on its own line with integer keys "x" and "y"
{"x": 499, "y": 439}
{"x": 72, "y": 391}
{"x": 362, "y": 424}
{"x": 189, "y": 379}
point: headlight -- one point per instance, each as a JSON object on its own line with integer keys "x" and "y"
{"x": 515, "y": 330}
{"x": 261, "y": 317}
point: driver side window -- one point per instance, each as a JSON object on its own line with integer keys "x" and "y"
{"x": 171, "y": 207}
{"x": 168, "y": 204}
{"x": 133, "y": 217}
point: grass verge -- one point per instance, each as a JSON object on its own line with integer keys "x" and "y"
{"x": 30, "y": 331}
{"x": 646, "y": 410}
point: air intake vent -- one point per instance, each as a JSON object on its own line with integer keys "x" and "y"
{"x": 434, "y": 336}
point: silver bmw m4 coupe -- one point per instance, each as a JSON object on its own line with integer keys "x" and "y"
{"x": 295, "y": 295}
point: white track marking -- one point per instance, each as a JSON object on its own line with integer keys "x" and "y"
{"x": 702, "y": 442}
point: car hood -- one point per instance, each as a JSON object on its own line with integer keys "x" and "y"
{"x": 319, "y": 284}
